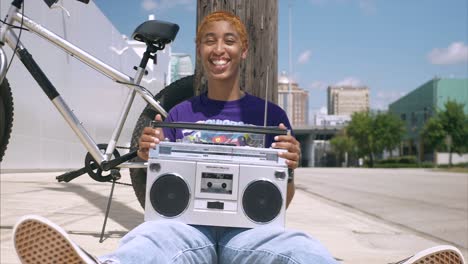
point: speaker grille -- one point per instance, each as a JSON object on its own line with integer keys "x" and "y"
{"x": 262, "y": 201}
{"x": 169, "y": 195}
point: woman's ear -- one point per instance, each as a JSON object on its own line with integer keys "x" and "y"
{"x": 244, "y": 53}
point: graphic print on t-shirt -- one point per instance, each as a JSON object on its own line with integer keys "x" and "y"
{"x": 221, "y": 137}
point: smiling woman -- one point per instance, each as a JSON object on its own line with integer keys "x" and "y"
{"x": 259, "y": 68}
{"x": 221, "y": 51}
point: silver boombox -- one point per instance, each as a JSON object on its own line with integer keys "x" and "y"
{"x": 218, "y": 185}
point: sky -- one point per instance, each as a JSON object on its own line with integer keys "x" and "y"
{"x": 390, "y": 46}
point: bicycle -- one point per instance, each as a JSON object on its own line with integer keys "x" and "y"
{"x": 100, "y": 157}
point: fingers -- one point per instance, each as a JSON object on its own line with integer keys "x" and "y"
{"x": 158, "y": 118}
{"x": 149, "y": 138}
{"x": 288, "y": 142}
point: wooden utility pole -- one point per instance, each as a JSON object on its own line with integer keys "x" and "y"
{"x": 261, "y": 20}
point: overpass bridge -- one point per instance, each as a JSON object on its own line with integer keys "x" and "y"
{"x": 314, "y": 143}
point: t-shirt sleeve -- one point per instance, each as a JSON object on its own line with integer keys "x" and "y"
{"x": 285, "y": 120}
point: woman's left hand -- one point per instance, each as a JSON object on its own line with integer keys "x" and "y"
{"x": 293, "y": 147}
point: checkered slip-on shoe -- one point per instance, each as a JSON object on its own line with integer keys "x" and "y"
{"x": 443, "y": 254}
{"x": 38, "y": 240}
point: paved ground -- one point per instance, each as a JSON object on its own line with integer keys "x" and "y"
{"x": 350, "y": 235}
{"x": 431, "y": 203}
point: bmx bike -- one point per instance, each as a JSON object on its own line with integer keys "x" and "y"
{"x": 101, "y": 159}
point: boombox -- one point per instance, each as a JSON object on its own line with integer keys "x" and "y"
{"x": 218, "y": 185}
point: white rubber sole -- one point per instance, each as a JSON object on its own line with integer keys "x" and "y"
{"x": 38, "y": 240}
{"x": 443, "y": 254}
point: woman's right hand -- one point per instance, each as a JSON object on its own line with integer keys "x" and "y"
{"x": 149, "y": 138}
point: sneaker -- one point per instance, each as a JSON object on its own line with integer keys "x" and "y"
{"x": 443, "y": 254}
{"x": 38, "y": 240}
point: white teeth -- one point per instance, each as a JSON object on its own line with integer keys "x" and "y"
{"x": 219, "y": 62}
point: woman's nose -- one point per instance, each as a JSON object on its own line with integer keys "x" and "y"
{"x": 219, "y": 47}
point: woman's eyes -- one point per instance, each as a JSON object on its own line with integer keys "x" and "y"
{"x": 227, "y": 41}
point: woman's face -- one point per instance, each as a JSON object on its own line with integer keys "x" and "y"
{"x": 220, "y": 50}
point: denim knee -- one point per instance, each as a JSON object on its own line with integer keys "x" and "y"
{"x": 272, "y": 245}
{"x": 165, "y": 242}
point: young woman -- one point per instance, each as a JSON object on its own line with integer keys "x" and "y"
{"x": 221, "y": 46}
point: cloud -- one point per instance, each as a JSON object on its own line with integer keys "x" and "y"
{"x": 159, "y": 5}
{"x": 383, "y": 98}
{"x": 349, "y": 81}
{"x": 368, "y": 6}
{"x": 317, "y": 85}
{"x": 457, "y": 52}
{"x": 304, "y": 57}
{"x": 149, "y": 5}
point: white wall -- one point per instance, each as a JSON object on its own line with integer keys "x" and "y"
{"x": 443, "y": 158}
{"x": 41, "y": 139}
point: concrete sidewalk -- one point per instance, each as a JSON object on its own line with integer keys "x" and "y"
{"x": 79, "y": 207}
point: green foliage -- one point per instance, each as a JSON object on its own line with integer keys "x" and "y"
{"x": 342, "y": 144}
{"x": 388, "y": 130}
{"x": 360, "y": 130}
{"x": 401, "y": 160}
{"x": 452, "y": 123}
{"x": 374, "y": 133}
{"x": 433, "y": 134}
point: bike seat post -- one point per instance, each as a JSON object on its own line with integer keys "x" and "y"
{"x": 141, "y": 69}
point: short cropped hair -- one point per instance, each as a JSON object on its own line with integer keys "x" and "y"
{"x": 224, "y": 16}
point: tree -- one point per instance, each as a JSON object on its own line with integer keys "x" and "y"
{"x": 448, "y": 129}
{"x": 388, "y": 132}
{"x": 373, "y": 134}
{"x": 342, "y": 144}
{"x": 360, "y": 130}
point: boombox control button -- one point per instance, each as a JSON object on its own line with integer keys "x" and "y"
{"x": 215, "y": 205}
{"x": 209, "y": 184}
{"x": 224, "y": 185}
{"x": 155, "y": 167}
{"x": 280, "y": 175}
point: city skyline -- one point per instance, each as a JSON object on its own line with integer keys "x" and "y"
{"x": 392, "y": 47}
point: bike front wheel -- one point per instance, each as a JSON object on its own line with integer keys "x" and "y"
{"x": 6, "y": 116}
{"x": 170, "y": 96}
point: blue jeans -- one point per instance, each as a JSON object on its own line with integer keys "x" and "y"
{"x": 173, "y": 242}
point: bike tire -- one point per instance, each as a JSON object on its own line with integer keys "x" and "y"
{"x": 6, "y": 116}
{"x": 168, "y": 97}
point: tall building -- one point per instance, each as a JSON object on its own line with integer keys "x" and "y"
{"x": 180, "y": 66}
{"x": 295, "y": 101}
{"x": 415, "y": 108}
{"x": 346, "y": 100}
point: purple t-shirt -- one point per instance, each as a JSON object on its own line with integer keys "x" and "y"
{"x": 248, "y": 110}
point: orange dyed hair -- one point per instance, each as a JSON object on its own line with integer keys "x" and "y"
{"x": 224, "y": 16}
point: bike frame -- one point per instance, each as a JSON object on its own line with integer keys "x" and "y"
{"x": 8, "y": 36}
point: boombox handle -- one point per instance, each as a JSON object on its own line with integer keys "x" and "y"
{"x": 226, "y": 128}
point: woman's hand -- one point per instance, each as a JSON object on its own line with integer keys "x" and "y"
{"x": 293, "y": 147}
{"x": 149, "y": 138}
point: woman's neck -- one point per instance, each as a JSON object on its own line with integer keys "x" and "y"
{"x": 222, "y": 90}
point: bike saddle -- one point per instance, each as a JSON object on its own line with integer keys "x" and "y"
{"x": 155, "y": 32}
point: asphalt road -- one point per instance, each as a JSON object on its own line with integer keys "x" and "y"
{"x": 429, "y": 203}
